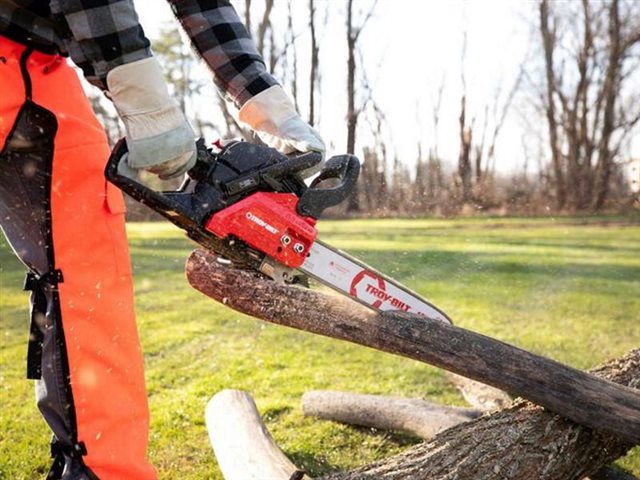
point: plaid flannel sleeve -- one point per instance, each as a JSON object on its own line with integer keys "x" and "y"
{"x": 221, "y": 39}
{"x": 101, "y": 35}
{"x": 25, "y": 26}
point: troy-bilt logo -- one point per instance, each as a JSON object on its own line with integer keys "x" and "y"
{"x": 378, "y": 289}
{"x": 258, "y": 221}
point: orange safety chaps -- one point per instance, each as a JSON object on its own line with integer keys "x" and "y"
{"x": 67, "y": 225}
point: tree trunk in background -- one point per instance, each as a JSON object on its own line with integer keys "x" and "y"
{"x": 294, "y": 67}
{"x": 313, "y": 75}
{"x": 247, "y": 15}
{"x": 548, "y": 41}
{"x": 464, "y": 160}
{"x": 352, "y": 115}
{"x": 610, "y": 91}
{"x": 466, "y": 133}
{"x": 264, "y": 25}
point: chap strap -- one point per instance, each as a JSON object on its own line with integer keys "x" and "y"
{"x": 37, "y": 284}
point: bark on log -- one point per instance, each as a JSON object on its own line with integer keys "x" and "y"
{"x": 409, "y": 415}
{"x": 243, "y": 446}
{"x": 583, "y": 398}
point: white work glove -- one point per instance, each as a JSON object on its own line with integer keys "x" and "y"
{"x": 159, "y": 137}
{"x": 273, "y": 116}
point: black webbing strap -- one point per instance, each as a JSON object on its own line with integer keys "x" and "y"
{"x": 35, "y": 284}
{"x": 55, "y": 472}
{"x": 59, "y": 453}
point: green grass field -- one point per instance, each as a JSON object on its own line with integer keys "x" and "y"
{"x": 567, "y": 288}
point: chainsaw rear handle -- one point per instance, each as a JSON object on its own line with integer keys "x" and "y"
{"x": 165, "y": 203}
{"x": 315, "y": 200}
{"x": 121, "y": 175}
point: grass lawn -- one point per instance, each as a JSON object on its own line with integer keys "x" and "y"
{"x": 567, "y": 288}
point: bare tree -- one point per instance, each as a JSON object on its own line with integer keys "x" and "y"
{"x": 435, "y": 180}
{"x": 373, "y": 178}
{"x": 179, "y": 65}
{"x": 294, "y": 64}
{"x": 263, "y": 26}
{"x": 353, "y": 34}
{"x": 587, "y": 102}
{"x": 549, "y": 42}
{"x": 466, "y": 135}
{"x": 313, "y": 73}
{"x": 500, "y": 119}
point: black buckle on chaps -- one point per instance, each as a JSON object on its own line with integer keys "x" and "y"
{"x": 60, "y": 453}
{"x": 52, "y": 278}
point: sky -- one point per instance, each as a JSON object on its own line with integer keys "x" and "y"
{"x": 409, "y": 48}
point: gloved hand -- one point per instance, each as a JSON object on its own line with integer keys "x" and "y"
{"x": 159, "y": 137}
{"x": 272, "y": 115}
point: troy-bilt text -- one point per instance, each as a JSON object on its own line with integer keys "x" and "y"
{"x": 386, "y": 297}
{"x": 262, "y": 223}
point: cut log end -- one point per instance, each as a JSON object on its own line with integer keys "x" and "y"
{"x": 241, "y": 442}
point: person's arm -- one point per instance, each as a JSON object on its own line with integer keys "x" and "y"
{"x": 221, "y": 39}
{"x": 101, "y": 35}
{"x": 105, "y": 39}
{"x": 239, "y": 72}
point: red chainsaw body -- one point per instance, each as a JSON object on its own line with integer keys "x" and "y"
{"x": 269, "y": 223}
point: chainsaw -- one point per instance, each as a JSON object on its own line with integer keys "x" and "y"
{"x": 248, "y": 204}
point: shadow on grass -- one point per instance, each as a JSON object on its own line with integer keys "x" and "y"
{"x": 313, "y": 465}
{"x": 317, "y": 464}
{"x": 272, "y": 414}
{"x": 399, "y": 439}
{"x": 623, "y": 250}
{"x": 613, "y": 472}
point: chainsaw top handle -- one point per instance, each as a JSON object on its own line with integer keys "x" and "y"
{"x": 273, "y": 166}
{"x": 314, "y": 200}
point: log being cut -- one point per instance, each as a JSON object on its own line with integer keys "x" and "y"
{"x": 579, "y": 396}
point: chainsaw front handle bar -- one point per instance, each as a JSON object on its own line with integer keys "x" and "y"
{"x": 315, "y": 200}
